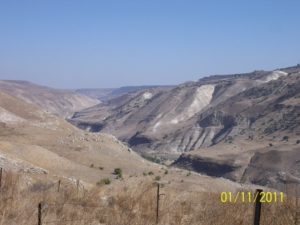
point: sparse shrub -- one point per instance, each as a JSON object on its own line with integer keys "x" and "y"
{"x": 101, "y": 168}
{"x": 152, "y": 159}
{"x": 157, "y": 178}
{"x": 229, "y": 139}
{"x": 189, "y": 174}
{"x": 40, "y": 186}
{"x": 92, "y": 165}
{"x": 298, "y": 142}
{"x": 270, "y": 144}
{"x": 145, "y": 174}
{"x": 285, "y": 138}
{"x": 166, "y": 172}
{"x": 118, "y": 172}
{"x": 150, "y": 173}
{"x": 105, "y": 181}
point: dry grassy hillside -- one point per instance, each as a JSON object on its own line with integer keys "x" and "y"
{"x": 60, "y": 102}
{"x": 133, "y": 204}
{"x": 32, "y": 139}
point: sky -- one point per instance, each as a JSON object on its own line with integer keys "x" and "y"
{"x": 113, "y": 43}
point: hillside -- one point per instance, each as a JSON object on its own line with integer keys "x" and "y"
{"x": 60, "y": 102}
{"x": 32, "y": 139}
{"x": 133, "y": 203}
{"x": 105, "y": 94}
{"x": 181, "y": 119}
{"x": 40, "y": 144}
{"x": 256, "y": 108}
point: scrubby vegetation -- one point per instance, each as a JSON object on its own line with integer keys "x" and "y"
{"x": 154, "y": 159}
{"x": 118, "y": 172}
{"x": 285, "y": 138}
{"x": 105, "y": 181}
{"x": 157, "y": 178}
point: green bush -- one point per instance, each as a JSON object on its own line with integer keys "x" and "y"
{"x": 104, "y": 181}
{"x": 118, "y": 172}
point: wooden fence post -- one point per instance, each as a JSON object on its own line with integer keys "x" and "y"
{"x": 40, "y": 214}
{"x": 157, "y": 203}
{"x": 77, "y": 184}
{"x": 0, "y": 178}
{"x": 58, "y": 187}
{"x": 297, "y": 216}
{"x": 257, "y": 206}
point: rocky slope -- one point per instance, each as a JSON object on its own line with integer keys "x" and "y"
{"x": 195, "y": 114}
{"x": 266, "y": 119}
{"x": 257, "y": 109}
{"x": 60, "y": 102}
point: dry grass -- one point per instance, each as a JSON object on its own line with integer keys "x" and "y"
{"x": 131, "y": 206}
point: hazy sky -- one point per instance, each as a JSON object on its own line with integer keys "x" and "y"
{"x": 111, "y": 43}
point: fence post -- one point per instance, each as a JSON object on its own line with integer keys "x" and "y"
{"x": 157, "y": 203}
{"x": 257, "y": 206}
{"x": 77, "y": 184}
{"x": 297, "y": 216}
{"x": 58, "y": 187}
{"x": 40, "y": 214}
{"x": 0, "y": 178}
